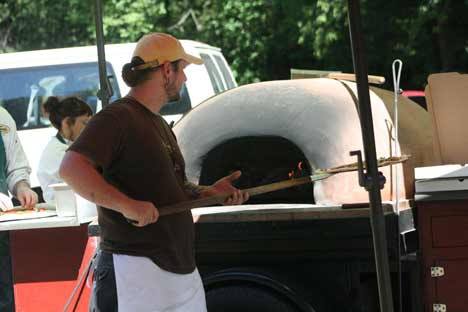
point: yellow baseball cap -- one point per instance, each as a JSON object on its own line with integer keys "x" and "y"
{"x": 157, "y": 48}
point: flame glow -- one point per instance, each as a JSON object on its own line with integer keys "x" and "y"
{"x": 292, "y": 174}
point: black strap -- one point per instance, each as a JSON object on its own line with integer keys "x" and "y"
{"x": 352, "y": 94}
{"x": 60, "y": 138}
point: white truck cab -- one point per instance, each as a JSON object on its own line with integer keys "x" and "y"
{"x": 28, "y": 78}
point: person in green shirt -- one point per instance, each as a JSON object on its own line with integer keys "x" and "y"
{"x": 14, "y": 179}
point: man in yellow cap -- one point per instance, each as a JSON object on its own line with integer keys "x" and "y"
{"x": 128, "y": 162}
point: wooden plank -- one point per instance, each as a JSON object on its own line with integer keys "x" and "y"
{"x": 280, "y": 212}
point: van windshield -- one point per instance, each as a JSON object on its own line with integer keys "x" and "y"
{"x": 24, "y": 90}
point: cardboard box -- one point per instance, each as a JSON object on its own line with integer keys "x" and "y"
{"x": 441, "y": 178}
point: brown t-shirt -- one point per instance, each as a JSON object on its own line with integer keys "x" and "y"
{"x": 137, "y": 153}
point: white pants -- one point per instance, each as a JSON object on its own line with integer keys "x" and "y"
{"x": 144, "y": 287}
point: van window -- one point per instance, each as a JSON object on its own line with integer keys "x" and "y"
{"x": 180, "y": 106}
{"x": 216, "y": 80}
{"x": 24, "y": 90}
{"x": 225, "y": 71}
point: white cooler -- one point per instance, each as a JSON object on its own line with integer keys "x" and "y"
{"x": 70, "y": 204}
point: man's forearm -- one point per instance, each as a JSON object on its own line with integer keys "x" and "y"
{"x": 78, "y": 172}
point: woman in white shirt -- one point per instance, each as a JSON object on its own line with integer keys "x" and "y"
{"x": 69, "y": 116}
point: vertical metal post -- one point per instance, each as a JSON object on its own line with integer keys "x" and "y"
{"x": 372, "y": 174}
{"x": 105, "y": 91}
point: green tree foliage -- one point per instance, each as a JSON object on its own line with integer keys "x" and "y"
{"x": 128, "y": 20}
{"x": 244, "y": 30}
{"x": 40, "y": 24}
{"x": 262, "y": 39}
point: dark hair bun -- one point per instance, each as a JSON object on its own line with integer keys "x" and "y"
{"x": 52, "y": 104}
{"x": 130, "y": 76}
{"x": 60, "y": 108}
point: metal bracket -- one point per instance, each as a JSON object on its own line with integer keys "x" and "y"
{"x": 365, "y": 180}
{"x": 361, "y": 174}
{"x": 437, "y": 271}
{"x": 108, "y": 92}
{"x": 439, "y": 307}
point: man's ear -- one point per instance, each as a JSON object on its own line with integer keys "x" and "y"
{"x": 167, "y": 68}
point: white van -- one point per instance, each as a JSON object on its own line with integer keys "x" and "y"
{"x": 28, "y": 78}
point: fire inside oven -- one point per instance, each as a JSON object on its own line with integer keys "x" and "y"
{"x": 262, "y": 160}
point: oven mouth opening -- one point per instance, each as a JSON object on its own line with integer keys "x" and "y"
{"x": 262, "y": 160}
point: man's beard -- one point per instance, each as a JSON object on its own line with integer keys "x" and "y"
{"x": 172, "y": 93}
{"x": 174, "y": 97}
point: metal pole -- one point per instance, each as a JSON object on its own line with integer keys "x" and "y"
{"x": 105, "y": 91}
{"x": 372, "y": 174}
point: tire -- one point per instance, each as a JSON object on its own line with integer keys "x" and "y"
{"x": 247, "y": 298}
